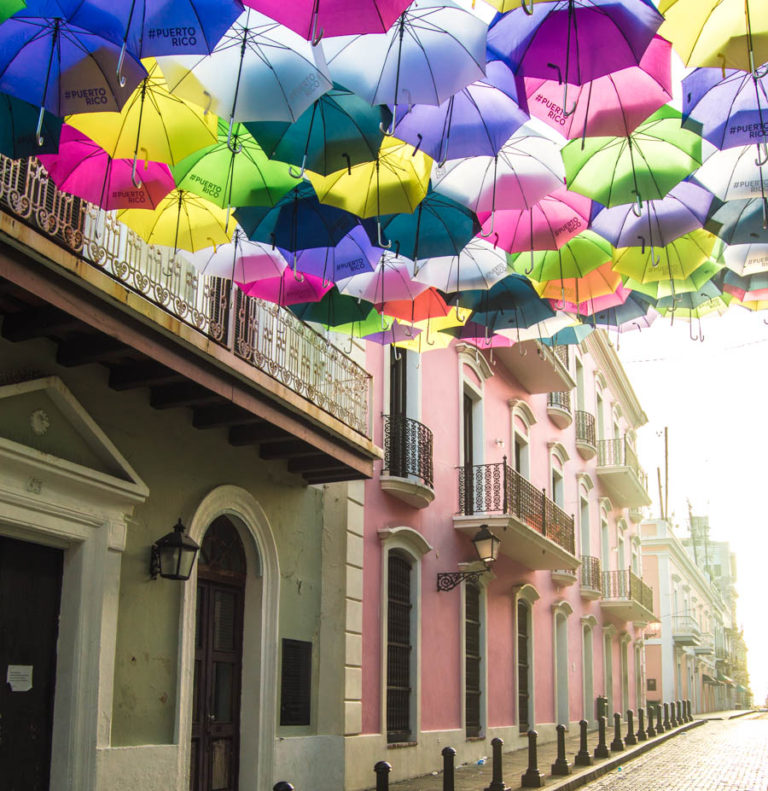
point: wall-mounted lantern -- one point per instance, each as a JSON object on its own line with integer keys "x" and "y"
{"x": 173, "y": 555}
{"x": 487, "y": 548}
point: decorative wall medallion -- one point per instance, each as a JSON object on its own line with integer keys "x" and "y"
{"x": 34, "y": 485}
{"x": 39, "y": 421}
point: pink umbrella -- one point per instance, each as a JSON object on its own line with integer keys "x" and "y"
{"x": 290, "y": 288}
{"x": 315, "y": 18}
{"x": 84, "y": 169}
{"x": 609, "y": 106}
{"x": 391, "y": 280}
{"x": 596, "y": 304}
{"x": 547, "y": 225}
{"x": 241, "y": 259}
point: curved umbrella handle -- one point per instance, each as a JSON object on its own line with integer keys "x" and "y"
{"x": 391, "y": 131}
{"x": 349, "y": 163}
{"x": 568, "y": 113}
{"x": 292, "y": 172}
{"x": 529, "y": 269}
{"x": 418, "y": 146}
{"x": 397, "y": 249}
{"x": 235, "y": 148}
{"x": 637, "y": 208}
{"x": 525, "y": 8}
{"x": 297, "y": 276}
{"x": 721, "y": 55}
{"x": 134, "y": 175}
{"x": 490, "y": 230}
{"x": 379, "y": 238}
{"x": 762, "y": 160}
{"x": 119, "y": 72}
{"x": 210, "y": 101}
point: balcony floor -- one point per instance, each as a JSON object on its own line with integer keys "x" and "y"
{"x": 624, "y": 487}
{"x": 627, "y": 610}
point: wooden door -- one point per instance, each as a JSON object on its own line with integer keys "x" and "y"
{"x": 523, "y": 666}
{"x": 30, "y": 595}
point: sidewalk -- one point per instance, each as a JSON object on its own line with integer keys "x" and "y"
{"x": 725, "y": 715}
{"x": 476, "y": 778}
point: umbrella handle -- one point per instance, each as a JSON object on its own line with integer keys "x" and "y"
{"x": 291, "y": 170}
{"x": 134, "y": 175}
{"x": 490, "y": 230}
{"x": 530, "y": 268}
{"x": 38, "y": 132}
{"x": 210, "y": 101}
{"x": 297, "y": 276}
{"x": 314, "y": 36}
{"x": 391, "y": 131}
{"x": 568, "y": 113}
{"x": 379, "y": 238}
{"x": 721, "y": 55}
{"x": 119, "y": 72}
{"x": 525, "y": 8}
{"x": 637, "y": 208}
{"x": 397, "y": 248}
{"x": 762, "y": 160}
{"x": 235, "y": 149}
{"x": 418, "y": 146}
{"x": 349, "y": 163}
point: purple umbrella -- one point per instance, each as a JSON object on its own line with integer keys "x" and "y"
{"x": 396, "y": 333}
{"x": 684, "y": 209}
{"x": 477, "y": 120}
{"x": 574, "y": 41}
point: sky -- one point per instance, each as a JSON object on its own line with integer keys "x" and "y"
{"x": 712, "y": 396}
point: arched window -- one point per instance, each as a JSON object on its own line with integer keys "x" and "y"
{"x": 524, "y": 597}
{"x": 473, "y": 657}
{"x": 521, "y": 419}
{"x": 558, "y": 456}
{"x": 561, "y": 611}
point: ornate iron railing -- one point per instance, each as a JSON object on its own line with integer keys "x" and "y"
{"x": 497, "y": 488}
{"x": 407, "y": 449}
{"x": 585, "y": 428}
{"x": 684, "y": 624}
{"x": 619, "y": 453}
{"x": 561, "y": 400}
{"x": 266, "y": 336}
{"x": 562, "y": 354}
{"x": 625, "y": 584}
{"x": 590, "y": 573}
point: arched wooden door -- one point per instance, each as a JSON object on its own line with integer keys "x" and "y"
{"x": 221, "y": 579}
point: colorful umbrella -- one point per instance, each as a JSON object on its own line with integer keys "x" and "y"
{"x": 746, "y": 258}
{"x": 477, "y": 120}
{"x": 740, "y": 221}
{"x": 576, "y": 258}
{"x": 752, "y": 288}
{"x": 636, "y": 311}
{"x": 287, "y": 288}
{"x": 427, "y": 305}
{"x": 478, "y": 265}
{"x": 547, "y": 225}
{"x": 601, "y": 281}
{"x": 84, "y": 169}
{"x": 9, "y": 7}
{"x": 395, "y": 333}
{"x": 241, "y": 260}
{"x": 339, "y": 130}
{"x": 732, "y": 174}
{"x": 182, "y": 220}
{"x": 657, "y": 289}
{"x": 391, "y": 279}
{"x": 17, "y": 131}
{"x": 511, "y": 303}
{"x": 351, "y": 256}
{"x": 333, "y": 310}
{"x": 643, "y": 166}
{"x": 611, "y": 105}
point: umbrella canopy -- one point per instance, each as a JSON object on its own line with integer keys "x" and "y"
{"x": 153, "y": 124}
{"x": 547, "y": 225}
{"x": 258, "y": 71}
{"x": 729, "y": 109}
{"x": 643, "y": 166}
{"x": 574, "y": 259}
{"x": 351, "y": 256}
{"x": 684, "y": 209}
{"x": 339, "y": 130}
{"x": 395, "y": 333}
{"x": 241, "y": 260}
{"x": 333, "y": 310}
{"x": 733, "y": 174}
{"x": 601, "y": 281}
{"x": 287, "y": 288}
{"x": 479, "y": 265}
{"x": 746, "y": 258}
{"x": 477, "y": 120}
{"x": 695, "y": 304}
{"x": 182, "y": 220}
{"x": 17, "y": 131}
{"x": 84, "y": 169}
{"x": 574, "y": 41}
{"x": 611, "y": 105}
{"x": 234, "y": 171}
{"x": 511, "y": 303}
{"x": 675, "y": 260}
{"x": 663, "y": 288}
{"x": 717, "y": 33}
{"x": 527, "y": 168}
{"x": 752, "y": 288}
{"x": 396, "y": 181}
{"x": 9, "y": 7}
{"x": 433, "y": 50}
{"x": 391, "y": 279}
{"x": 439, "y": 226}
{"x": 636, "y": 308}
{"x": 740, "y": 221}
{"x": 569, "y": 335}
{"x": 427, "y": 305}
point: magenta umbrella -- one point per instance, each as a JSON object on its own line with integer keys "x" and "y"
{"x": 547, "y": 225}
{"x": 290, "y": 288}
{"x": 84, "y": 169}
{"x": 315, "y": 18}
{"x": 588, "y": 307}
{"x": 609, "y": 106}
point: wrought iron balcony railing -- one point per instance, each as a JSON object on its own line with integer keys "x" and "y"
{"x": 590, "y": 573}
{"x": 684, "y": 624}
{"x": 262, "y": 334}
{"x": 562, "y": 354}
{"x": 585, "y": 428}
{"x": 625, "y": 584}
{"x": 497, "y": 488}
{"x": 619, "y": 453}
{"x": 408, "y": 449}
{"x": 560, "y": 400}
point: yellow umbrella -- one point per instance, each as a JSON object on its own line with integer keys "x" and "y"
{"x": 395, "y": 182}
{"x": 182, "y": 220}
{"x": 666, "y": 288}
{"x": 599, "y": 282}
{"x": 717, "y": 33}
{"x": 431, "y": 337}
{"x": 153, "y": 125}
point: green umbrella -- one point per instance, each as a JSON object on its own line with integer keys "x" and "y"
{"x": 642, "y": 166}
{"x": 675, "y": 261}
{"x": 695, "y": 305}
{"x": 234, "y": 171}
{"x": 373, "y": 322}
{"x": 665, "y": 288}
{"x": 574, "y": 259}
{"x": 333, "y": 310}
{"x": 9, "y": 7}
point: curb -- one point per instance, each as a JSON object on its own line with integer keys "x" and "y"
{"x": 592, "y": 773}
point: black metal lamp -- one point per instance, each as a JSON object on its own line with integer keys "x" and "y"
{"x": 487, "y": 548}
{"x": 173, "y": 555}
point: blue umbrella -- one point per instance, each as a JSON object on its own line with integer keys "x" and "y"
{"x": 568, "y": 335}
{"x": 740, "y": 221}
{"x": 17, "y": 129}
{"x": 635, "y": 307}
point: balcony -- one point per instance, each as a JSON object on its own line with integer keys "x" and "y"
{"x": 707, "y": 645}
{"x": 533, "y": 530}
{"x": 620, "y": 473}
{"x": 627, "y": 597}
{"x": 539, "y": 368}
{"x": 586, "y": 441}
{"x": 104, "y": 296}
{"x": 407, "y": 473}
{"x": 591, "y": 582}
{"x": 564, "y": 577}
{"x": 685, "y": 630}
{"x": 559, "y": 409}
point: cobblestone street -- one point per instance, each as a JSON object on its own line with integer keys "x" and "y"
{"x": 723, "y": 755}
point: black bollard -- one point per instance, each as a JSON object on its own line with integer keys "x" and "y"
{"x": 617, "y": 745}
{"x": 532, "y": 776}
{"x": 497, "y": 784}
{"x": 659, "y": 724}
{"x": 582, "y": 757}
{"x": 382, "y": 770}
{"x": 689, "y": 709}
{"x": 601, "y": 751}
{"x": 651, "y": 730}
{"x": 641, "y": 735}
{"x": 281, "y": 785}
{"x": 680, "y": 719}
{"x": 560, "y": 766}
{"x": 667, "y": 724}
{"x": 672, "y": 717}
{"x": 630, "y": 738}
{"x": 448, "y": 755}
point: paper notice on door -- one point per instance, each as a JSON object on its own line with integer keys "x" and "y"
{"x": 19, "y": 678}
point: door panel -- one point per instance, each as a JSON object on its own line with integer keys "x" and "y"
{"x": 30, "y": 595}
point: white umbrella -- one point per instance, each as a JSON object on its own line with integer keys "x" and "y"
{"x": 746, "y": 259}
{"x": 391, "y": 280}
{"x": 732, "y": 174}
{"x": 241, "y": 259}
{"x": 478, "y": 266}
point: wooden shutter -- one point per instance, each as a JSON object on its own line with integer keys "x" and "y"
{"x": 296, "y": 682}
{"x": 399, "y": 650}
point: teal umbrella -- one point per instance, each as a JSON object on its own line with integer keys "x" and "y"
{"x": 18, "y": 121}
{"x": 333, "y": 310}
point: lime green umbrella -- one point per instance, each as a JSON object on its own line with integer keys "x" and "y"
{"x": 665, "y": 288}
{"x": 576, "y": 258}
{"x": 675, "y": 261}
{"x": 9, "y": 7}
{"x": 373, "y": 322}
{"x": 234, "y": 171}
{"x": 642, "y": 166}
{"x": 695, "y": 305}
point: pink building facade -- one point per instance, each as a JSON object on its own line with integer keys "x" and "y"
{"x": 537, "y": 444}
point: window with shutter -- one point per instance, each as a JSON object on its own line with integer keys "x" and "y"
{"x": 296, "y": 682}
{"x": 399, "y": 649}
{"x": 472, "y": 658}
{"x": 523, "y": 666}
